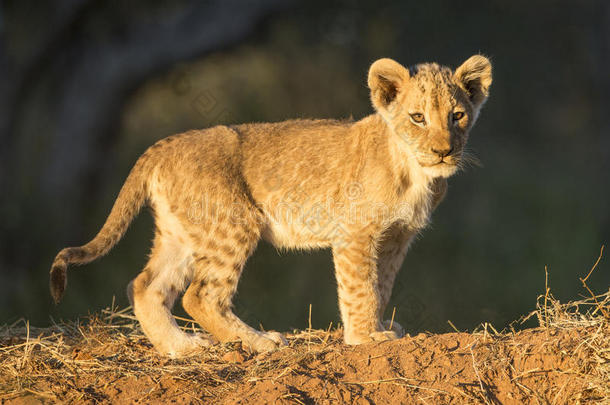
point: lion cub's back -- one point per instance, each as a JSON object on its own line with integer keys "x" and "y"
{"x": 255, "y": 161}
{"x": 294, "y": 154}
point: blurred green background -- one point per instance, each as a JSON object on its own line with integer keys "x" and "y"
{"x": 86, "y": 86}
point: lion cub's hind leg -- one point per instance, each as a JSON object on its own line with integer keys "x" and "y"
{"x": 217, "y": 265}
{"x": 154, "y": 292}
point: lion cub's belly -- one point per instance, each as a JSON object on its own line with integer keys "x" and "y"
{"x": 319, "y": 228}
{"x": 297, "y": 233}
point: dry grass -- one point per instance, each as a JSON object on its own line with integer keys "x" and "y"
{"x": 592, "y": 313}
{"x": 106, "y": 358}
{"x": 47, "y": 362}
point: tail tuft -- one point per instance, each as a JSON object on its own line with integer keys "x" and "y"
{"x": 58, "y": 280}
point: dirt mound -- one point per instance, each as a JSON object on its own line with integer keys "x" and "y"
{"x": 532, "y": 366}
{"x": 107, "y": 360}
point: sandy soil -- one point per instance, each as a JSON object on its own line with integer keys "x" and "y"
{"x": 107, "y": 360}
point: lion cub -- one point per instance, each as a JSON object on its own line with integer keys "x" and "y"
{"x": 362, "y": 188}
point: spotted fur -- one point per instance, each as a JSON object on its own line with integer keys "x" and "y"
{"x": 363, "y": 188}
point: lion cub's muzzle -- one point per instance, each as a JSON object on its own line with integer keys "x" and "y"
{"x": 448, "y": 156}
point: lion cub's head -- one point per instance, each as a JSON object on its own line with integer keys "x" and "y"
{"x": 431, "y": 107}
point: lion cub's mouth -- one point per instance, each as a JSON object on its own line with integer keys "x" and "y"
{"x": 441, "y": 167}
{"x": 439, "y": 162}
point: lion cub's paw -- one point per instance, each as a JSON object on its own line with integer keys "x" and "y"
{"x": 377, "y": 336}
{"x": 396, "y": 328}
{"x": 382, "y": 336}
{"x": 264, "y": 342}
{"x": 186, "y": 346}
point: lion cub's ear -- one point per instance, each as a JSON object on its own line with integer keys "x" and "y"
{"x": 474, "y": 76}
{"x": 386, "y": 77}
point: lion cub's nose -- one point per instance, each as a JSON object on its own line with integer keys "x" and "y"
{"x": 442, "y": 152}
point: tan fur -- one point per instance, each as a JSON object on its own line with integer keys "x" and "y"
{"x": 364, "y": 189}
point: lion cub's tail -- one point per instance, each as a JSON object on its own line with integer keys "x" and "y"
{"x": 132, "y": 196}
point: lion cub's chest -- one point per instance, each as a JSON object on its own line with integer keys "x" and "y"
{"x": 417, "y": 206}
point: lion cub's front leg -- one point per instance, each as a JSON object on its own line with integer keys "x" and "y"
{"x": 359, "y": 298}
{"x": 392, "y": 251}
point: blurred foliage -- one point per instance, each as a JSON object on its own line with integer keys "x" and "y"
{"x": 541, "y": 198}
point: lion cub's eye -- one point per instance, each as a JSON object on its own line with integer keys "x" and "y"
{"x": 458, "y": 115}
{"x": 418, "y": 118}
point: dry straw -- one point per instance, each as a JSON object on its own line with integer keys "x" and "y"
{"x": 77, "y": 361}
